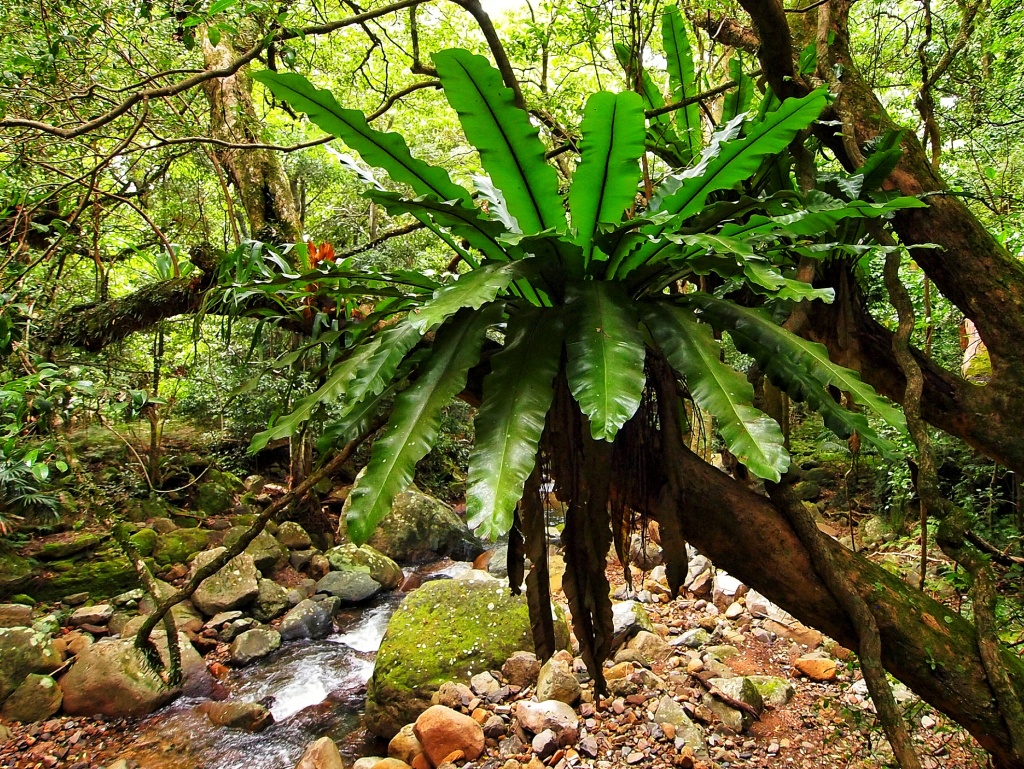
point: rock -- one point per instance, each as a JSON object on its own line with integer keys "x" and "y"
{"x": 726, "y": 589}
{"x": 391, "y": 763}
{"x": 233, "y": 587}
{"x": 694, "y": 638}
{"x": 15, "y": 570}
{"x": 349, "y": 586}
{"x": 494, "y": 727}
{"x": 758, "y": 605}
{"x": 77, "y": 642}
{"x": 628, "y": 619}
{"x": 112, "y": 678}
{"x": 177, "y": 545}
{"x": 442, "y": 731}
{"x": 817, "y": 667}
{"x": 873, "y": 530}
{"x": 774, "y": 691}
{"x": 545, "y": 743}
{"x": 322, "y": 754}
{"x": 216, "y": 494}
{"x": 420, "y": 528}
{"x": 61, "y": 549}
{"x": 183, "y": 613}
{"x": 734, "y": 610}
{"x": 162, "y": 525}
{"x": 521, "y": 669}
{"x": 794, "y": 631}
{"x": 36, "y": 699}
{"x": 740, "y": 689}
{"x": 484, "y": 684}
{"x": 686, "y": 732}
{"x": 248, "y": 716}
{"x": 366, "y": 762}
{"x": 235, "y": 628}
{"x": 15, "y": 615}
{"x": 554, "y": 715}
{"x": 405, "y": 745}
{"x": 448, "y": 629}
{"x": 806, "y": 490}
{"x": 644, "y": 553}
{"x": 24, "y": 651}
{"x": 452, "y": 695}
{"x": 308, "y": 619}
{"x": 265, "y": 551}
{"x": 292, "y": 536}
{"x": 253, "y": 645}
{"x": 723, "y": 651}
{"x": 651, "y": 646}
{"x": 366, "y": 559}
{"x": 144, "y": 540}
{"x": 271, "y": 601}
{"x": 299, "y": 559}
{"x": 48, "y": 624}
{"x": 92, "y": 615}
{"x": 222, "y": 618}
{"x": 557, "y": 682}
{"x": 497, "y": 566}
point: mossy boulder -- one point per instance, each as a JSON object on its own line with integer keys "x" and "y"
{"x": 24, "y": 651}
{"x": 266, "y": 552}
{"x": 102, "y": 574}
{"x": 144, "y": 541}
{"x": 348, "y": 557}
{"x": 446, "y": 630}
{"x": 68, "y": 547}
{"x": 216, "y": 493}
{"x": 139, "y": 510}
{"x": 36, "y": 699}
{"x": 420, "y": 528}
{"x": 15, "y": 571}
{"x": 233, "y": 587}
{"x": 176, "y": 546}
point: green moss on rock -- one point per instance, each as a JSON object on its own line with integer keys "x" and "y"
{"x": 446, "y": 630}
{"x": 348, "y": 557}
{"x": 104, "y": 574}
{"x": 145, "y": 541}
{"x": 15, "y": 571}
{"x": 176, "y": 546}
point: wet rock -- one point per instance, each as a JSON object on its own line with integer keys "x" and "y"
{"x": 420, "y": 528}
{"x": 322, "y": 754}
{"x": 552, "y": 714}
{"x": 15, "y": 615}
{"x": 557, "y": 682}
{"x": 92, "y": 615}
{"x": 817, "y": 667}
{"x": 271, "y": 601}
{"x": 253, "y": 645}
{"x": 405, "y": 745}
{"x": 233, "y": 587}
{"x": 441, "y": 731}
{"x": 292, "y": 536}
{"x": 521, "y": 669}
{"x": 247, "y": 716}
{"x": 349, "y": 586}
{"x": 366, "y": 559}
{"x": 308, "y": 619}
{"x": 24, "y": 651}
{"x": 36, "y": 699}
{"x": 482, "y": 626}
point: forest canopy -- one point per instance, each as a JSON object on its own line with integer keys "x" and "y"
{"x": 628, "y": 235}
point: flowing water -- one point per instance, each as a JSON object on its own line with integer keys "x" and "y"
{"x": 313, "y": 689}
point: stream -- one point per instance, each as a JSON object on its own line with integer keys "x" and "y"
{"x": 313, "y": 689}
{"x": 317, "y": 689}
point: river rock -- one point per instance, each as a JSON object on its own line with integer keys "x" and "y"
{"x": 292, "y": 536}
{"x": 794, "y": 631}
{"x": 651, "y": 646}
{"x": 686, "y": 731}
{"x": 348, "y": 557}
{"x": 420, "y": 528}
{"x": 183, "y": 612}
{"x": 253, "y": 645}
{"x": 644, "y": 553}
{"x": 441, "y": 731}
{"x": 448, "y": 629}
{"x": 24, "y": 651}
{"x": 694, "y": 638}
{"x": 92, "y": 615}
{"x": 740, "y": 689}
{"x": 521, "y": 669}
{"x": 248, "y": 716}
{"x": 176, "y": 545}
{"x": 349, "y": 586}
{"x": 271, "y": 601}
{"x": 405, "y": 745}
{"x": 556, "y": 681}
{"x": 628, "y": 619}
{"x": 36, "y": 699}
{"x": 322, "y": 754}
{"x": 308, "y": 619}
{"x": 15, "y": 615}
{"x": 484, "y": 684}
{"x": 552, "y": 714}
{"x": 266, "y": 552}
{"x": 817, "y": 667}
{"x": 233, "y": 587}
{"x": 113, "y": 678}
